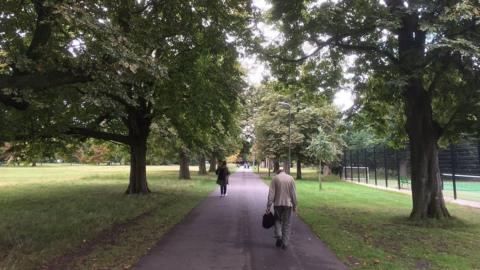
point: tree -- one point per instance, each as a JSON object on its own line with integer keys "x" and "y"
{"x": 143, "y": 61}
{"x": 415, "y": 56}
{"x": 272, "y": 127}
{"x": 326, "y": 149}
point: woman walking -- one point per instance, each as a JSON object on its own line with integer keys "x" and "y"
{"x": 222, "y": 178}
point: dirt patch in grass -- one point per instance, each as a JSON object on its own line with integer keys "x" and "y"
{"x": 106, "y": 237}
{"x": 422, "y": 264}
{"x": 354, "y": 262}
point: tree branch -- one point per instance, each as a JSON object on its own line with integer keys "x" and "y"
{"x": 41, "y": 80}
{"x": 151, "y": 3}
{"x": 320, "y": 45}
{"x": 434, "y": 82}
{"x": 85, "y": 132}
{"x": 367, "y": 48}
{"x": 14, "y": 102}
{"x": 43, "y": 29}
{"x": 119, "y": 100}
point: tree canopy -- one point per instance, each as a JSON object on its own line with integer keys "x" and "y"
{"x": 110, "y": 69}
{"x": 418, "y": 57}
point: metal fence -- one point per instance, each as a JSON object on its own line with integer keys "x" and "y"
{"x": 383, "y": 166}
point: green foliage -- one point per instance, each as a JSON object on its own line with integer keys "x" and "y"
{"x": 272, "y": 123}
{"x": 369, "y": 30}
{"x": 360, "y": 139}
{"x": 325, "y": 148}
{"x": 110, "y": 69}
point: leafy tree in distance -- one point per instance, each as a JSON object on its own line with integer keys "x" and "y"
{"x": 417, "y": 57}
{"x": 272, "y": 125}
{"x": 325, "y": 149}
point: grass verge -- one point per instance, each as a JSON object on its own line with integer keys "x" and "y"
{"x": 77, "y": 217}
{"x": 369, "y": 229}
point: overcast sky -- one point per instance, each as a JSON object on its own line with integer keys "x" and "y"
{"x": 256, "y": 70}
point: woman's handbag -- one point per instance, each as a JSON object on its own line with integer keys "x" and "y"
{"x": 268, "y": 220}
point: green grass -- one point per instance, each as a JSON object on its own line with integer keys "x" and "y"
{"x": 369, "y": 229}
{"x": 51, "y": 212}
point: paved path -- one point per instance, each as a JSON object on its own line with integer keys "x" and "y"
{"x": 226, "y": 233}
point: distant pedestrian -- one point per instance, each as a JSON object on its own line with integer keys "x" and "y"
{"x": 222, "y": 177}
{"x": 282, "y": 195}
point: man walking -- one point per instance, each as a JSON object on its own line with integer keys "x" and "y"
{"x": 283, "y": 196}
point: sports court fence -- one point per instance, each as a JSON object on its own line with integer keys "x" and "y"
{"x": 381, "y": 165}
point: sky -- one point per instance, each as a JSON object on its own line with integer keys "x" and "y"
{"x": 256, "y": 70}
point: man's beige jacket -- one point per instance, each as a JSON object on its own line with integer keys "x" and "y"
{"x": 282, "y": 191}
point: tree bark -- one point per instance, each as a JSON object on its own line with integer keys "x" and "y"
{"x": 138, "y": 167}
{"x": 184, "y": 165}
{"x": 286, "y": 168}
{"x": 213, "y": 164}
{"x": 138, "y": 131}
{"x": 299, "y": 169}
{"x": 202, "y": 167}
{"x": 276, "y": 166}
{"x": 423, "y": 132}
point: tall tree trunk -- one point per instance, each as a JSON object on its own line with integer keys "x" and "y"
{"x": 276, "y": 166}
{"x": 138, "y": 167}
{"x": 423, "y": 133}
{"x": 138, "y": 131}
{"x": 299, "y": 169}
{"x": 184, "y": 165}
{"x": 286, "y": 168}
{"x": 269, "y": 165}
{"x": 213, "y": 163}
{"x": 202, "y": 167}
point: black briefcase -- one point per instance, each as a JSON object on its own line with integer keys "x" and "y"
{"x": 268, "y": 220}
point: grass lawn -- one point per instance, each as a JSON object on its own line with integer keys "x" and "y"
{"x": 77, "y": 217}
{"x": 368, "y": 229}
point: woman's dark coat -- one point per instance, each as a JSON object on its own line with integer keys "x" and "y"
{"x": 222, "y": 173}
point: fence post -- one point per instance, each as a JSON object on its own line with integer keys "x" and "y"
{"x": 374, "y": 165}
{"x": 478, "y": 151}
{"x": 358, "y": 165}
{"x": 385, "y": 160}
{"x": 351, "y": 164}
{"x": 453, "y": 158}
{"x": 398, "y": 168}
{"x": 366, "y": 165}
{"x": 344, "y": 168}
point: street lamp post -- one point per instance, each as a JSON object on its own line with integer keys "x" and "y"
{"x": 287, "y": 105}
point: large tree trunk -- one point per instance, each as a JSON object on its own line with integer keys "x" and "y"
{"x": 286, "y": 168}
{"x": 138, "y": 131}
{"x": 276, "y": 166}
{"x": 299, "y": 169}
{"x": 213, "y": 164}
{"x": 184, "y": 165}
{"x": 202, "y": 167}
{"x": 138, "y": 167}
{"x": 423, "y": 133}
